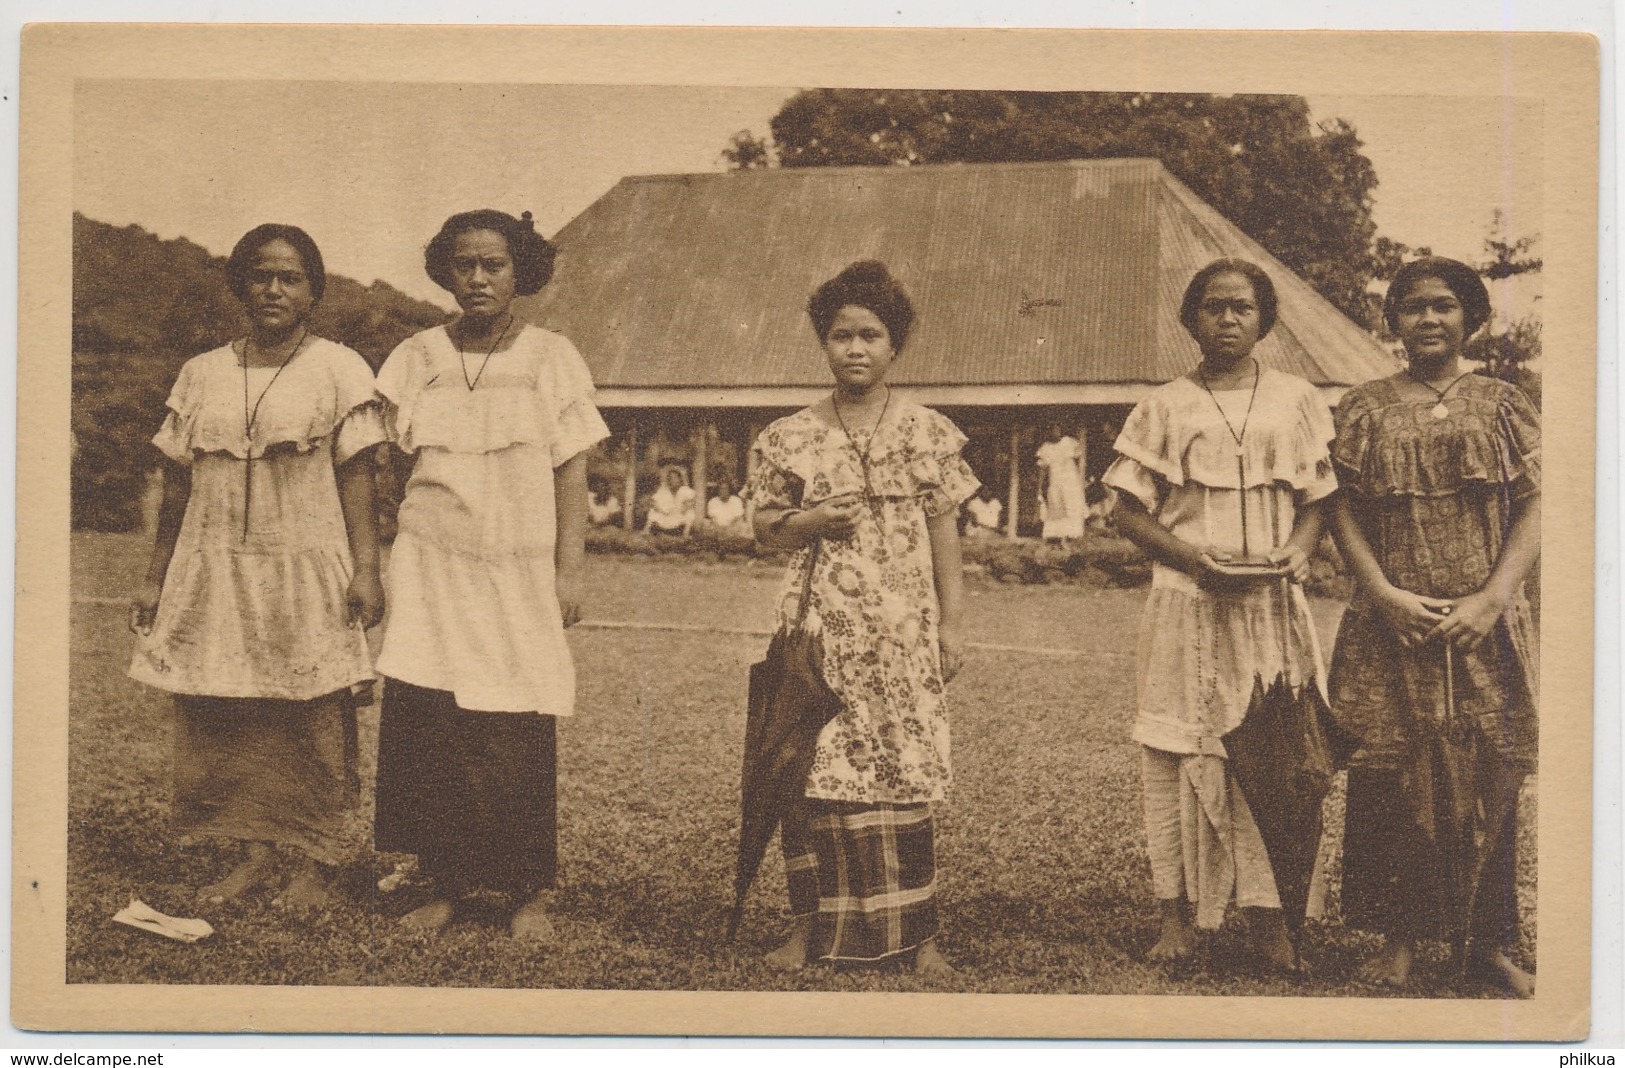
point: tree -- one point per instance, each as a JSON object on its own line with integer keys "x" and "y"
{"x": 1301, "y": 190}
{"x": 1507, "y": 354}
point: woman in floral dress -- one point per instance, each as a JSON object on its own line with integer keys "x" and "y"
{"x": 1440, "y": 524}
{"x": 873, "y": 484}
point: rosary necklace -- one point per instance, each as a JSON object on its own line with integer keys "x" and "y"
{"x": 251, "y": 415}
{"x": 463, "y": 358}
{"x": 1440, "y": 410}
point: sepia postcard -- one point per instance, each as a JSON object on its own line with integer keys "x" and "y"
{"x": 805, "y": 532}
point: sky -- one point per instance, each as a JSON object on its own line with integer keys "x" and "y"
{"x": 371, "y": 170}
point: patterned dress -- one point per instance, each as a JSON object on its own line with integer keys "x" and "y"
{"x": 251, "y": 632}
{"x": 873, "y": 600}
{"x": 1435, "y": 499}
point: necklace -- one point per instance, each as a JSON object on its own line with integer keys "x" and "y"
{"x": 1241, "y": 458}
{"x": 1440, "y": 410}
{"x": 1237, "y": 437}
{"x": 462, "y": 357}
{"x": 863, "y": 453}
{"x": 251, "y": 416}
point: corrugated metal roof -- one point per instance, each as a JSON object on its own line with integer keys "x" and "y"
{"x": 1028, "y": 273}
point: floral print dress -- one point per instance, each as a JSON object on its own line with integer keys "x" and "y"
{"x": 873, "y": 595}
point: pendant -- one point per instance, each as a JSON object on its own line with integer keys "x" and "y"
{"x": 1440, "y": 411}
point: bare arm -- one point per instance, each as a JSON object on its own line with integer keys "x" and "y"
{"x": 357, "y": 479}
{"x": 948, "y": 573}
{"x": 792, "y": 528}
{"x": 570, "y": 550}
{"x": 171, "y": 512}
{"x": 1307, "y": 528}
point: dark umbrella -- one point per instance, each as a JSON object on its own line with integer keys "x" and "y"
{"x": 1464, "y": 798}
{"x": 789, "y": 705}
{"x": 1283, "y": 756}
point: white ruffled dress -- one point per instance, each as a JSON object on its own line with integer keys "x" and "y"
{"x": 472, "y": 607}
{"x": 1199, "y": 653}
{"x": 259, "y": 611}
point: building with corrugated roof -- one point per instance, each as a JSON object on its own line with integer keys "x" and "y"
{"x": 1046, "y": 293}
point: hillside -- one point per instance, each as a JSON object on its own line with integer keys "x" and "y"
{"x": 141, "y": 307}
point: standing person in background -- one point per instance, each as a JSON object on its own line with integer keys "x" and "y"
{"x": 484, "y": 577}
{"x": 1440, "y": 526}
{"x": 1060, "y": 485}
{"x": 867, "y": 486}
{"x": 264, "y": 576}
{"x": 1228, "y": 461}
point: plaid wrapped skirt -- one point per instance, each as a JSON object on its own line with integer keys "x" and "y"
{"x": 866, "y": 874}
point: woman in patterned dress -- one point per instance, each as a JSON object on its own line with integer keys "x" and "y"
{"x": 1440, "y": 525}
{"x": 484, "y": 577}
{"x": 1232, "y": 439}
{"x": 873, "y": 484}
{"x": 264, "y": 575}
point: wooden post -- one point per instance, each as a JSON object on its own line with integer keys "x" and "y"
{"x": 630, "y": 490}
{"x": 752, "y": 430}
{"x": 700, "y": 474}
{"x": 1013, "y": 515}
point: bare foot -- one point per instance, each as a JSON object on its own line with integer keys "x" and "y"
{"x": 1391, "y": 966}
{"x": 306, "y": 890}
{"x": 929, "y": 961}
{"x": 252, "y": 873}
{"x": 1497, "y": 967}
{"x": 1270, "y": 939}
{"x": 792, "y": 956}
{"x": 531, "y": 923}
{"x": 430, "y": 918}
{"x": 1178, "y": 940}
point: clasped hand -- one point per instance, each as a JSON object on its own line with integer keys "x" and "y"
{"x": 835, "y": 517}
{"x": 1462, "y": 623}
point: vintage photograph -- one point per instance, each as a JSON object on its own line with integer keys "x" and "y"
{"x": 536, "y": 535}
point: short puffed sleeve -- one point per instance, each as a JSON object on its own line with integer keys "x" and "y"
{"x": 771, "y": 484}
{"x": 1520, "y": 427}
{"x": 401, "y": 382}
{"x": 174, "y": 437}
{"x": 1146, "y": 448}
{"x": 943, "y": 480}
{"x": 578, "y": 422}
{"x": 360, "y": 408}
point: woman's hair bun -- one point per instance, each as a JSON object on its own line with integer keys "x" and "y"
{"x": 524, "y": 217}
{"x": 865, "y": 273}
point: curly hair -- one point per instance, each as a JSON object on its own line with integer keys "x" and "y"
{"x": 532, "y": 254}
{"x": 864, "y": 284}
{"x": 1263, "y": 292}
{"x": 241, "y": 260}
{"x": 1459, "y": 278}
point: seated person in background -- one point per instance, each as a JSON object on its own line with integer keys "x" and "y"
{"x": 985, "y": 511}
{"x": 603, "y": 507}
{"x": 726, "y": 511}
{"x": 671, "y": 510}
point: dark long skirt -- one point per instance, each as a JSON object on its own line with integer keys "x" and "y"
{"x": 265, "y": 770}
{"x": 473, "y": 794}
{"x": 866, "y": 874}
{"x": 1395, "y": 883}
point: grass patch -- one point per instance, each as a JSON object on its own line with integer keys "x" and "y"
{"x": 1044, "y": 881}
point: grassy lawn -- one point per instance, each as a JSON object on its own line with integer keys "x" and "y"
{"x": 1043, "y": 877}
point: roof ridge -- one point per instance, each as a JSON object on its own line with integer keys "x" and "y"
{"x": 1102, "y": 162}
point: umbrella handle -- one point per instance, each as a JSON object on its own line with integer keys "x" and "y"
{"x": 806, "y": 582}
{"x": 1449, "y": 686}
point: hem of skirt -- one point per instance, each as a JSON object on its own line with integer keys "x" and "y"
{"x": 1152, "y": 735}
{"x": 517, "y": 709}
{"x": 938, "y": 798}
{"x": 184, "y": 688}
{"x": 889, "y": 954}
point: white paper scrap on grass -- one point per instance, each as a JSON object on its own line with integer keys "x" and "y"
{"x": 143, "y": 916}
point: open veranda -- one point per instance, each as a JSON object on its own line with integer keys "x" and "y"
{"x": 1043, "y": 876}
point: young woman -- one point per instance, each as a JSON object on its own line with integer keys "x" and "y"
{"x": 1228, "y": 461}
{"x": 874, "y": 482}
{"x": 1440, "y": 525}
{"x": 484, "y": 576}
{"x": 265, "y": 574}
